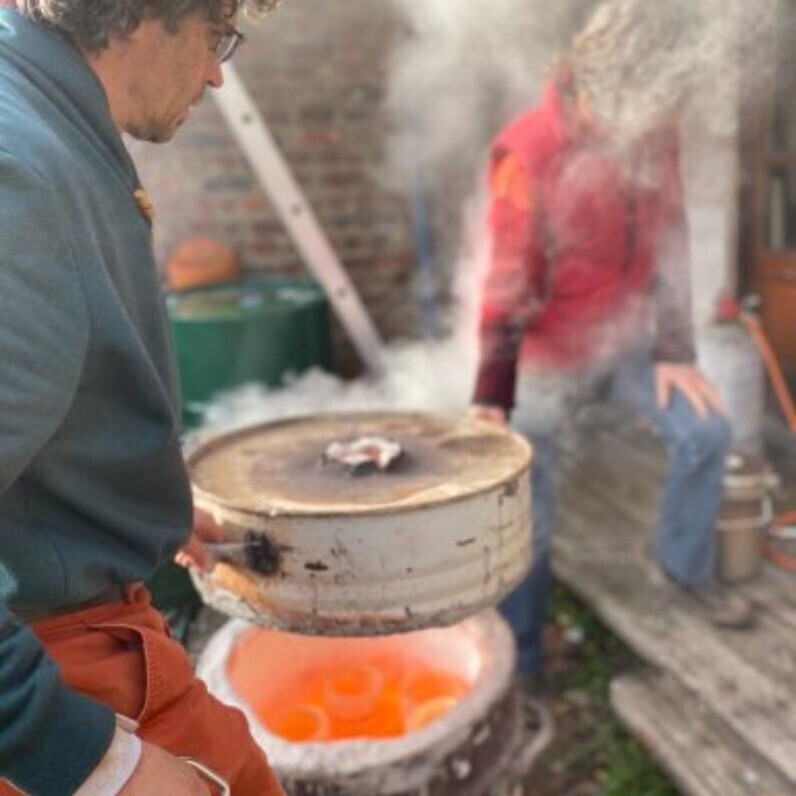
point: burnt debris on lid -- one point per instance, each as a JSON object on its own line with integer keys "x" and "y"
{"x": 364, "y": 454}
{"x": 256, "y": 552}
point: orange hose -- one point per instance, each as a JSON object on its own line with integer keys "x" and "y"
{"x": 755, "y": 329}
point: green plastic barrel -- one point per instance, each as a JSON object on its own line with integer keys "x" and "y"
{"x": 256, "y": 330}
{"x": 259, "y": 329}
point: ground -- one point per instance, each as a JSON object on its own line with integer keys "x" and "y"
{"x": 591, "y": 754}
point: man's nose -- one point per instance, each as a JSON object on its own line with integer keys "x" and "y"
{"x": 215, "y": 74}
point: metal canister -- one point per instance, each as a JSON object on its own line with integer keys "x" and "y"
{"x": 745, "y": 516}
{"x": 364, "y": 523}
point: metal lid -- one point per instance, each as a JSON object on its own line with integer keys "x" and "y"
{"x": 283, "y": 467}
{"x": 747, "y": 473}
{"x": 434, "y": 529}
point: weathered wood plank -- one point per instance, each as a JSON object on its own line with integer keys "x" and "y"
{"x": 775, "y": 600}
{"x": 774, "y": 593}
{"x": 667, "y": 629}
{"x": 621, "y": 439}
{"x": 635, "y": 502}
{"x": 774, "y": 648}
{"x": 696, "y": 749}
{"x": 627, "y": 470}
{"x": 611, "y": 483}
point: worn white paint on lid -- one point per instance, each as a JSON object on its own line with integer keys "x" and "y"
{"x": 437, "y": 537}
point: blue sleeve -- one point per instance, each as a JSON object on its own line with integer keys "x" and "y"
{"x": 43, "y": 319}
{"x": 51, "y": 737}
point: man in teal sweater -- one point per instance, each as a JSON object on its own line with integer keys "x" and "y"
{"x": 93, "y": 490}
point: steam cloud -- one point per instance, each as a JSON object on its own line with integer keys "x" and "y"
{"x": 464, "y": 68}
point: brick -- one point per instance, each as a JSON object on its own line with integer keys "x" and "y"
{"x": 321, "y": 87}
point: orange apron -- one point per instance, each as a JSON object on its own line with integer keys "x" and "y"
{"x": 122, "y": 654}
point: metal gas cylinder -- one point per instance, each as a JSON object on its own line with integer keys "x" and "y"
{"x": 730, "y": 359}
{"x": 365, "y": 523}
{"x": 745, "y": 516}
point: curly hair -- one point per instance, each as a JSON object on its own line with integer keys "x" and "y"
{"x": 93, "y": 23}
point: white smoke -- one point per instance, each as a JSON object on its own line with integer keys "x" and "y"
{"x": 429, "y": 376}
{"x": 465, "y": 68}
{"x": 734, "y": 58}
{"x": 462, "y": 70}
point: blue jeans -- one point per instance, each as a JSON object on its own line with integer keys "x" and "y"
{"x": 685, "y": 539}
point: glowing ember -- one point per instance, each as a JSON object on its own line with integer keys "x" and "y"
{"x": 341, "y": 697}
{"x": 364, "y": 452}
{"x": 302, "y": 723}
{"x": 431, "y": 710}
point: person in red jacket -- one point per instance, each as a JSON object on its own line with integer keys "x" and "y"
{"x": 587, "y": 291}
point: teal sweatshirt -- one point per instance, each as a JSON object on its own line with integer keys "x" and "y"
{"x": 93, "y": 488}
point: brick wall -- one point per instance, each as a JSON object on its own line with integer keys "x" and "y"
{"x": 317, "y": 70}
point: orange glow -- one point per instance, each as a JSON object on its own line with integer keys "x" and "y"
{"x": 424, "y": 684}
{"x": 423, "y": 714}
{"x": 338, "y": 689}
{"x": 302, "y": 723}
{"x": 351, "y": 693}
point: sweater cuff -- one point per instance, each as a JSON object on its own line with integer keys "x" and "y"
{"x": 74, "y": 739}
{"x": 680, "y": 353}
{"x": 495, "y": 384}
{"x": 111, "y": 775}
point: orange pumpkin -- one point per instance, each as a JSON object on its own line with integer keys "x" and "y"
{"x": 201, "y": 261}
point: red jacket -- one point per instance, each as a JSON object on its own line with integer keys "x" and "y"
{"x": 575, "y": 248}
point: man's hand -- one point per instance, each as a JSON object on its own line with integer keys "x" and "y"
{"x": 492, "y": 414}
{"x": 160, "y": 772}
{"x": 193, "y": 553}
{"x": 690, "y": 381}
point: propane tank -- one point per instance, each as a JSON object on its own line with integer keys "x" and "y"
{"x": 744, "y": 517}
{"x": 730, "y": 359}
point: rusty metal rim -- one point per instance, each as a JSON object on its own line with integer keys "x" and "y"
{"x": 364, "y": 511}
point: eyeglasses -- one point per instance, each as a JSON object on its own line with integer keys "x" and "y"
{"x": 223, "y": 44}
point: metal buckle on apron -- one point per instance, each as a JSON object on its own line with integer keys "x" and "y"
{"x": 209, "y": 775}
